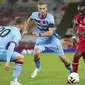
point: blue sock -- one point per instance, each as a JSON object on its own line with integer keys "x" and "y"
{"x": 69, "y": 67}
{"x": 37, "y": 63}
{"x": 17, "y": 71}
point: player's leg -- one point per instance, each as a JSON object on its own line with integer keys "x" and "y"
{"x": 18, "y": 58}
{"x": 62, "y": 57}
{"x": 66, "y": 63}
{"x": 37, "y": 50}
{"x": 76, "y": 59}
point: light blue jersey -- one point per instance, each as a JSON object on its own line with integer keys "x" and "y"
{"x": 51, "y": 42}
{"x": 8, "y": 34}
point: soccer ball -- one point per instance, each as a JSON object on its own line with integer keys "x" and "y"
{"x": 73, "y": 78}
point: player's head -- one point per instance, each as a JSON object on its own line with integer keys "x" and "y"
{"x": 20, "y": 22}
{"x": 42, "y": 7}
{"x": 81, "y": 9}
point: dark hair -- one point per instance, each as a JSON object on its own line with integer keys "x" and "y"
{"x": 81, "y": 7}
{"x": 19, "y": 20}
{"x": 41, "y": 2}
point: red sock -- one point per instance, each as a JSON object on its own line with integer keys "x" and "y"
{"x": 83, "y": 58}
{"x": 75, "y": 63}
{"x": 75, "y": 67}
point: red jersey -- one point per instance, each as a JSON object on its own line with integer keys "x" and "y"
{"x": 81, "y": 28}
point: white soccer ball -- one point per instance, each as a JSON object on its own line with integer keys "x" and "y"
{"x": 73, "y": 78}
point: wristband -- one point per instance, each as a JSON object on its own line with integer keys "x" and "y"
{"x": 39, "y": 35}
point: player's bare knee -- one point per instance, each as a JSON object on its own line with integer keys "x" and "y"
{"x": 37, "y": 52}
{"x": 20, "y": 57}
{"x": 36, "y": 55}
{"x": 78, "y": 53}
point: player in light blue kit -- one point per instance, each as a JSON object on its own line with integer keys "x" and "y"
{"x": 9, "y": 38}
{"x": 47, "y": 37}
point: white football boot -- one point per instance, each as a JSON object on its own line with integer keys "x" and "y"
{"x": 15, "y": 83}
{"x": 34, "y": 74}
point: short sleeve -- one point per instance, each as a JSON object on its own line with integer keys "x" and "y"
{"x": 50, "y": 19}
{"x": 77, "y": 18}
{"x": 33, "y": 15}
{"x": 16, "y": 37}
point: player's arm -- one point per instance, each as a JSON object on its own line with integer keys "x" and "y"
{"x": 9, "y": 54}
{"x": 10, "y": 51}
{"x": 28, "y": 22}
{"x": 75, "y": 25}
{"x": 74, "y": 38}
{"x": 49, "y": 32}
{"x": 80, "y": 33}
{"x": 16, "y": 38}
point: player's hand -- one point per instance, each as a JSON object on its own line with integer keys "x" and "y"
{"x": 35, "y": 34}
{"x": 7, "y": 66}
{"x": 74, "y": 39}
{"x": 24, "y": 33}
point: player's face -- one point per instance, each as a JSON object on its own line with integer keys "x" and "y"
{"x": 82, "y": 11}
{"x": 42, "y": 9}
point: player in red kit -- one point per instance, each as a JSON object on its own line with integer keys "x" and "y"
{"x": 79, "y": 28}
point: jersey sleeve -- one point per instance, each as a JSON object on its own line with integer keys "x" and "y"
{"x": 77, "y": 19}
{"x": 50, "y": 19}
{"x": 16, "y": 37}
{"x": 33, "y": 15}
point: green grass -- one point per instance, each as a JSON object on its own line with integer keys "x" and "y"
{"x": 53, "y": 71}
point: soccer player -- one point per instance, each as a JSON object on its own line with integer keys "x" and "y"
{"x": 79, "y": 27}
{"x": 9, "y": 38}
{"x": 47, "y": 37}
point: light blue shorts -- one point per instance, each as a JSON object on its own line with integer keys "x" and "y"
{"x": 54, "y": 46}
{"x": 3, "y": 56}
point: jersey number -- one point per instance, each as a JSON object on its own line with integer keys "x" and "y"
{"x": 4, "y": 32}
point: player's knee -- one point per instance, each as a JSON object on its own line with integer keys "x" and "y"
{"x": 76, "y": 58}
{"x": 78, "y": 53}
{"x": 20, "y": 57}
{"x": 37, "y": 52}
{"x": 36, "y": 56}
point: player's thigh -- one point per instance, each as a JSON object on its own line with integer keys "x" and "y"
{"x": 15, "y": 56}
{"x": 58, "y": 49}
{"x": 19, "y": 56}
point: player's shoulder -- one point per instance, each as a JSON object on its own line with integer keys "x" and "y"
{"x": 49, "y": 14}
{"x": 9, "y": 28}
{"x": 13, "y": 29}
{"x": 35, "y": 13}
{"x": 77, "y": 16}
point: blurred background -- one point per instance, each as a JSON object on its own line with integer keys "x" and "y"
{"x": 62, "y": 10}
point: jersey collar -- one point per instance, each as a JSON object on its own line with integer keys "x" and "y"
{"x": 43, "y": 16}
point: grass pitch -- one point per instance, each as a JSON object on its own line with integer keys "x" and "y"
{"x": 53, "y": 72}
